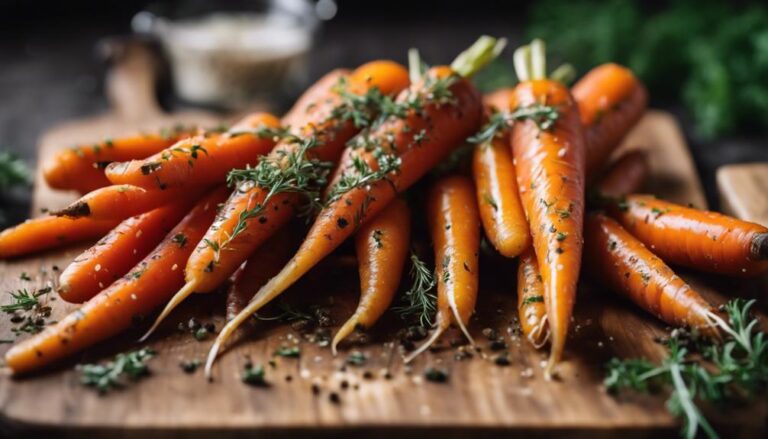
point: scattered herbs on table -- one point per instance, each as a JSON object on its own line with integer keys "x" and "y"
{"x": 356, "y": 358}
{"x": 702, "y": 370}
{"x": 27, "y": 311}
{"x": 436, "y": 375}
{"x": 288, "y": 351}
{"x": 126, "y": 367}
{"x": 253, "y": 375}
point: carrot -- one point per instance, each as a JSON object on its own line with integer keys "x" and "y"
{"x": 611, "y": 100}
{"x": 202, "y": 159}
{"x": 122, "y": 201}
{"x": 115, "y": 254}
{"x": 296, "y": 117}
{"x": 81, "y": 168}
{"x": 115, "y": 309}
{"x": 501, "y": 211}
{"x": 624, "y": 176}
{"x": 621, "y": 262}
{"x": 264, "y": 263}
{"x": 382, "y": 247}
{"x": 454, "y": 224}
{"x": 49, "y": 232}
{"x": 266, "y": 197}
{"x": 706, "y": 241}
{"x": 389, "y": 159}
{"x": 530, "y": 300}
{"x": 549, "y": 155}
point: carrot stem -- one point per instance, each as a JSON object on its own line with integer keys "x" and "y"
{"x": 521, "y": 59}
{"x": 538, "y": 59}
{"x": 478, "y": 55}
{"x": 564, "y": 73}
{"x": 415, "y": 65}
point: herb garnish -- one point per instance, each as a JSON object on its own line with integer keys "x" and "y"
{"x": 112, "y": 375}
{"x": 288, "y": 351}
{"x": 722, "y": 373}
{"x": 253, "y": 375}
{"x": 28, "y": 311}
{"x": 420, "y": 302}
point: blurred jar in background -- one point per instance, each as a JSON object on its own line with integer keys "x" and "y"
{"x": 231, "y": 54}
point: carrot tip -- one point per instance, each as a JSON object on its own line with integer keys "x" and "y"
{"x": 343, "y": 333}
{"x": 183, "y": 293}
{"x": 432, "y": 339}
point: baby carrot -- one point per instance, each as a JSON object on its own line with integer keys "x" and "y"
{"x": 549, "y": 155}
{"x": 264, "y": 263}
{"x": 611, "y": 100}
{"x": 624, "y": 176}
{"x": 122, "y": 201}
{"x": 388, "y": 160}
{"x": 266, "y": 196}
{"x": 115, "y": 309}
{"x": 454, "y": 224}
{"x": 202, "y": 159}
{"x": 81, "y": 168}
{"x": 501, "y": 211}
{"x": 530, "y": 300}
{"x": 296, "y": 117}
{"x": 622, "y": 263}
{"x": 49, "y": 232}
{"x": 381, "y": 246}
{"x": 706, "y": 241}
{"x": 115, "y": 254}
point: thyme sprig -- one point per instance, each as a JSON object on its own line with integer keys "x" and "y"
{"x": 28, "y": 311}
{"x": 112, "y": 375}
{"x": 544, "y": 116}
{"x": 420, "y": 302}
{"x": 721, "y": 373}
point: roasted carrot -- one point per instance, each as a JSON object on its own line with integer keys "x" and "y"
{"x": 611, "y": 100}
{"x": 530, "y": 300}
{"x": 264, "y": 263}
{"x": 549, "y": 156}
{"x": 200, "y": 160}
{"x": 501, "y": 211}
{"x": 123, "y": 201}
{"x": 703, "y": 240}
{"x": 381, "y": 246}
{"x": 81, "y": 168}
{"x": 148, "y": 285}
{"x": 296, "y": 117}
{"x": 454, "y": 224}
{"x": 115, "y": 254}
{"x": 622, "y": 263}
{"x": 624, "y": 176}
{"x": 261, "y": 204}
{"x": 49, "y": 232}
{"x": 388, "y": 160}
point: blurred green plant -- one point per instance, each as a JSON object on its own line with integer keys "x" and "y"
{"x": 13, "y": 172}
{"x": 711, "y": 55}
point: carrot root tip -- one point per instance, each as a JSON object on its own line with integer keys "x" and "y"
{"x": 179, "y": 297}
{"x": 432, "y": 339}
{"x": 343, "y": 333}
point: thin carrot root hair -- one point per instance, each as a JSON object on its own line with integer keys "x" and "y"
{"x": 536, "y": 334}
{"x": 459, "y": 323}
{"x": 346, "y": 329}
{"x": 715, "y": 321}
{"x": 179, "y": 297}
{"x": 427, "y": 344}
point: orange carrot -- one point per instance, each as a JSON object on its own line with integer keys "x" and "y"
{"x": 530, "y": 300}
{"x": 254, "y": 212}
{"x": 123, "y": 201}
{"x": 112, "y": 311}
{"x": 624, "y": 176}
{"x": 707, "y": 241}
{"x": 296, "y": 117}
{"x": 454, "y": 224}
{"x": 622, "y": 263}
{"x": 382, "y": 247}
{"x": 388, "y": 160}
{"x": 501, "y": 211}
{"x": 611, "y": 100}
{"x": 81, "y": 168}
{"x": 202, "y": 159}
{"x": 115, "y": 254}
{"x": 49, "y": 232}
{"x": 549, "y": 156}
{"x": 264, "y": 263}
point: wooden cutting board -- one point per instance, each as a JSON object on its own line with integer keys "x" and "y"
{"x": 382, "y": 397}
{"x": 744, "y": 191}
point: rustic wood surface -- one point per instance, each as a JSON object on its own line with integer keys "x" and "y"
{"x": 744, "y": 191}
{"x": 382, "y": 397}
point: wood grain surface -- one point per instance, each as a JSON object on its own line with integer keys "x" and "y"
{"x": 744, "y": 191}
{"x": 382, "y": 397}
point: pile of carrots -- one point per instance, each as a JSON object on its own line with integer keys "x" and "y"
{"x": 197, "y": 209}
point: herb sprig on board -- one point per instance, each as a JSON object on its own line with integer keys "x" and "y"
{"x": 130, "y": 366}
{"x": 711, "y": 372}
{"x": 420, "y": 301}
{"x": 27, "y": 310}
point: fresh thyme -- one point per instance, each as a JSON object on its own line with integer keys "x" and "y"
{"x": 112, "y": 375}
{"x": 420, "y": 302}
{"x": 721, "y": 373}
{"x": 362, "y": 175}
{"x": 28, "y": 311}
{"x": 544, "y": 116}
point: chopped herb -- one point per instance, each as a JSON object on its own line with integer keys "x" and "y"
{"x": 23, "y": 301}
{"x": 436, "y": 375}
{"x": 356, "y": 358}
{"x": 180, "y": 239}
{"x": 24, "y": 276}
{"x": 377, "y": 235}
{"x": 561, "y": 236}
{"x": 288, "y": 351}
{"x": 533, "y": 299}
{"x": 112, "y": 375}
{"x": 489, "y": 199}
{"x": 201, "y": 333}
{"x": 253, "y": 375}
{"x": 190, "y": 366}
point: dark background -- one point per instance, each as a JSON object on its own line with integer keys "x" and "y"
{"x": 49, "y": 71}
